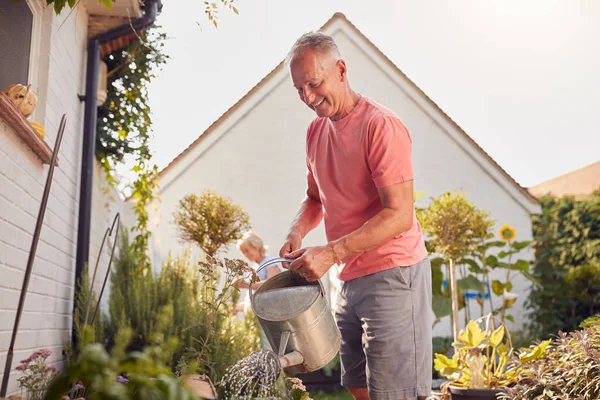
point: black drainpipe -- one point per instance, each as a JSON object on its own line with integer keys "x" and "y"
{"x": 151, "y": 10}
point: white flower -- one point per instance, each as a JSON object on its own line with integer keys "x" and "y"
{"x": 509, "y": 296}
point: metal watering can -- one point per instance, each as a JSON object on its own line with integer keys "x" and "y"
{"x": 297, "y": 320}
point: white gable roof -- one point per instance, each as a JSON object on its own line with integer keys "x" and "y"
{"x": 336, "y": 24}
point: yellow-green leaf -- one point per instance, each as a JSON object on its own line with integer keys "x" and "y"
{"x": 497, "y": 287}
{"x": 446, "y": 366}
{"x": 497, "y": 335}
{"x": 472, "y": 335}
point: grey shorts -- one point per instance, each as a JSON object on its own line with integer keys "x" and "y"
{"x": 386, "y": 323}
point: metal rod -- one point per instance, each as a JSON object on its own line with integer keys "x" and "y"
{"x": 32, "y": 251}
{"x": 117, "y": 221}
{"x": 89, "y": 299}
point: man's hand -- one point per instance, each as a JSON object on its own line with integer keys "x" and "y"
{"x": 293, "y": 242}
{"x": 312, "y": 262}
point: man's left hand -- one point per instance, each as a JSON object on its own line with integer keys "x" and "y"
{"x": 312, "y": 262}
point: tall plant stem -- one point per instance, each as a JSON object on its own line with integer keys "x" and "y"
{"x": 454, "y": 295}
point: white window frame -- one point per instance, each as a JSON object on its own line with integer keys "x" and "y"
{"x": 37, "y": 10}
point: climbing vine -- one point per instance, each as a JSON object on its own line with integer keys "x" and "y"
{"x": 124, "y": 124}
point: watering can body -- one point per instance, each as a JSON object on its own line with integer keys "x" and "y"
{"x": 296, "y": 317}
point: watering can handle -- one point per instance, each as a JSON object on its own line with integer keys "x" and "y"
{"x": 275, "y": 261}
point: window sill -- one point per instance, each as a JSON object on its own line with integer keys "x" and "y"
{"x": 11, "y": 115}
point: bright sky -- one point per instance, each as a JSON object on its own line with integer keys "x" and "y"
{"x": 521, "y": 77}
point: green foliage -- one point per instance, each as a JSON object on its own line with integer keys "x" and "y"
{"x": 208, "y": 333}
{"x": 481, "y": 263}
{"x": 124, "y": 127}
{"x": 459, "y": 229}
{"x": 455, "y": 225}
{"x": 147, "y": 373}
{"x": 345, "y": 395}
{"x": 83, "y": 295}
{"x": 567, "y": 235}
{"x": 210, "y": 221}
{"x": 567, "y": 369}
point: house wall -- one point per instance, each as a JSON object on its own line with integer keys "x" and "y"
{"x": 46, "y": 320}
{"x": 256, "y": 157}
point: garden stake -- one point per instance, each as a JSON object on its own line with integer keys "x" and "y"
{"x": 89, "y": 300}
{"x": 117, "y": 221}
{"x": 32, "y": 251}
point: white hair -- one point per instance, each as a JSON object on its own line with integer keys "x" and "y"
{"x": 317, "y": 41}
{"x": 253, "y": 240}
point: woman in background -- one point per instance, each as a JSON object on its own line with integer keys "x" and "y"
{"x": 254, "y": 249}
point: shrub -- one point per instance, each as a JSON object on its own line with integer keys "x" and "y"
{"x": 210, "y": 221}
{"x": 202, "y": 319}
{"x": 567, "y": 250}
{"x": 568, "y": 370}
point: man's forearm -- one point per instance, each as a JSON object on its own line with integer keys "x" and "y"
{"x": 379, "y": 229}
{"x": 308, "y": 218}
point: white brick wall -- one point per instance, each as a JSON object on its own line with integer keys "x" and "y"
{"x": 46, "y": 320}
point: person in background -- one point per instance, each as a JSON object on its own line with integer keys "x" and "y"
{"x": 254, "y": 249}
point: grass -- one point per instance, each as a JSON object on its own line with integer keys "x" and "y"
{"x": 345, "y": 395}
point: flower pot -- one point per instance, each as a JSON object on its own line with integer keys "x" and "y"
{"x": 473, "y": 394}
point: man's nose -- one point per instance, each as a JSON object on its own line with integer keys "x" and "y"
{"x": 309, "y": 97}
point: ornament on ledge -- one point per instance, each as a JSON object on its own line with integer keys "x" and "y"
{"x": 23, "y": 98}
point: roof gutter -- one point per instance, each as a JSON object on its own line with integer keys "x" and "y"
{"x": 151, "y": 10}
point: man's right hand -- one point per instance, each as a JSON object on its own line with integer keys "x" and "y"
{"x": 293, "y": 242}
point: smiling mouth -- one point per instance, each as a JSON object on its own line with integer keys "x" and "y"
{"x": 318, "y": 104}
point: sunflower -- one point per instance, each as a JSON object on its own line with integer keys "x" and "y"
{"x": 507, "y": 233}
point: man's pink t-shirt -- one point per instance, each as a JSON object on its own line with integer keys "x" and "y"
{"x": 349, "y": 160}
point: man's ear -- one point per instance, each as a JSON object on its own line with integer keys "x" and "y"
{"x": 342, "y": 70}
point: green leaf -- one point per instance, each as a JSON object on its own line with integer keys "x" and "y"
{"x": 59, "y": 5}
{"x": 108, "y": 3}
{"x": 503, "y": 254}
{"x": 497, "y": 287}
{"x": 521, "y": 245}
{"x": 473, "y": 266}
{"x": 491, "y": 261}
{"x": 509, "y": 318}
{"x": 442, "y": 306}
{"x": 521, "y": 265}
{"x": 471, "y": 283}
{"x": 437, "y": 280}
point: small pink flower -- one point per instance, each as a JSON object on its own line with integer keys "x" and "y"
{"x": 21, "y": 367}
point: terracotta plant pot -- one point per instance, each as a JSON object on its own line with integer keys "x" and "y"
{"x": 473, "y": 394}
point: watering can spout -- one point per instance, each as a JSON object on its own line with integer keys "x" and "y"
{"x": 291, "y": 359}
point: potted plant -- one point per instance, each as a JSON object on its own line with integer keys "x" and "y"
{"x": 484, "y": 362}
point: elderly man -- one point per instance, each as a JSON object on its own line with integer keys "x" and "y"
{"x": 360, "y": 178}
